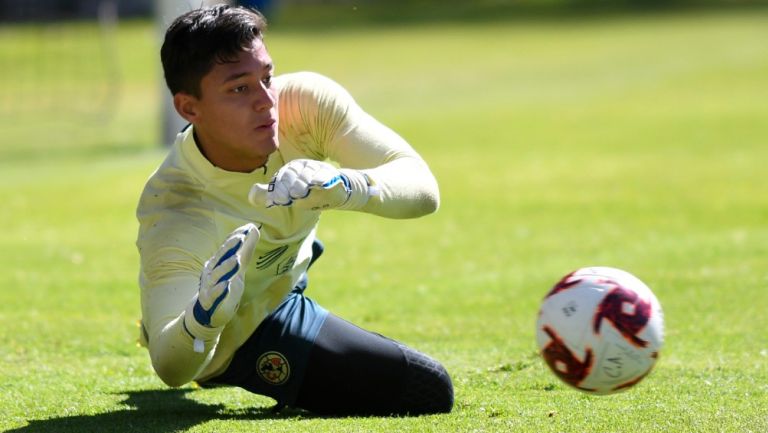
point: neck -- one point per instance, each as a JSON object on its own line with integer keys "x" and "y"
{"x": 228, "y": 162}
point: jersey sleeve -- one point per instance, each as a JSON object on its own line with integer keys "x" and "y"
{"x": 338, "y": 129}
{"x": 173, "y": 247}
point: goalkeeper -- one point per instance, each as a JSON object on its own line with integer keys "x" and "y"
{"x": 227, "y": 229}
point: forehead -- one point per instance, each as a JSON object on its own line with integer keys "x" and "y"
{"x": 253, "y": 60}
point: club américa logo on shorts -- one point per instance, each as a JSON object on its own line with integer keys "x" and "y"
{"x": 273, "y": 368}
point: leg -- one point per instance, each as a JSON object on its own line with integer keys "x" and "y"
{"x": 354, "y": 371}
{"x": 303, "y": 356}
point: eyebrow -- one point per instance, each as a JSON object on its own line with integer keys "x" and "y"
{"x": 238, "y": 75}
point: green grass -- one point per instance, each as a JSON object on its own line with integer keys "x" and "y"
{"x": 635, "y": 142}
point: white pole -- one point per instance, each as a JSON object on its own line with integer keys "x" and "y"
{"x": 165, "y": 12}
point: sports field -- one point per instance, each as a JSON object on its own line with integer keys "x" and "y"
{"x": 639, "y": 142}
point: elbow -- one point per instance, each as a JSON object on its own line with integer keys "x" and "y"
{"x": 430, "y": 203}
{"x": 427, "y": 201}
{"x": 167, "y": 375}
{"x": 431, "y": 198}
{"x": 169, "y": 379}
{"x": 167, "y": 371}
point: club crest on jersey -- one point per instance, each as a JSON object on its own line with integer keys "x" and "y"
{"x": 273, "y": 368}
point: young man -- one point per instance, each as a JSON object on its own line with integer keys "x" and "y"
{"x": 227, "y": 229}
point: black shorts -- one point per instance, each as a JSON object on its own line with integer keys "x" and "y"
{"x": 301, "y": 355}
{"x": 273, "y": 360}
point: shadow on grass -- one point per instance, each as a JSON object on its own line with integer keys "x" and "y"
{"x": 159, "y": 411}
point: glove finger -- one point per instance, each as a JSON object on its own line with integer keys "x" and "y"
{"x": 314, "y": 174}
{"x": 321, "y": 173}
{"x": 280, "y": 195}
{"x": 208, "y": 266}
{"x": 287, "y": 173}
{"x": 228, "y": 249}
{"x": 222, "y": 290}
{"x": 324, "y": 176}
{"x": 236, "y": 287}
{"x": 299, "y": 189}
{"x": 252, "y": 237}
{"x": 213, "y": 296}
{"x": 226, "y": 270}
{"x": 308, "y": 169}
{"x": 287, "y": 183}
{"x": 245, "y": 229}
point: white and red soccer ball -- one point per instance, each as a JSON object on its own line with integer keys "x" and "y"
{"x": 600, "y": 330}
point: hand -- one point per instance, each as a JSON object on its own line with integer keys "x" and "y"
{"x": 222, "y": 279}
{"x": 304, "y": 184}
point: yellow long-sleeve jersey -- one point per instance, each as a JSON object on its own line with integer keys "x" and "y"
{"x": 189, "y": 206}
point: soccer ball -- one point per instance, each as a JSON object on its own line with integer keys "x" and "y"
{"x": 600, "y": 330}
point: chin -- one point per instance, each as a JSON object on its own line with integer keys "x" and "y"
{"x": 264, "y": 145}
{"x": 273, "y": 146}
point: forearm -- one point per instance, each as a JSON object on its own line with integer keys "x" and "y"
{"x": 402, "y": 188}
{"x": 403, "y": 185}
{"x": 181, "y": 344}
{"x": 366, "y": 150}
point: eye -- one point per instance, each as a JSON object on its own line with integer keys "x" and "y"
{"x": 267, "y": 81}
{"x": 240, "y": 89}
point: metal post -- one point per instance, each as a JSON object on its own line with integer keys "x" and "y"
{"x": 165, "y": 12}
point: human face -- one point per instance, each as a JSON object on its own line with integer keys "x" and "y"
{"x": 235, "y": 117}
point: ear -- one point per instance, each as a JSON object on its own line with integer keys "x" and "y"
{"x": 186, "y": 105}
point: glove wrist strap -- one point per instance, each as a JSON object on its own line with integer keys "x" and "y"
{"x": 200, "y": 334}
{"x": 362, "y": 188}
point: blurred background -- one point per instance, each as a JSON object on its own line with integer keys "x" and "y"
{"x": 563, "y": 133}
{"x": 89, "y": 69}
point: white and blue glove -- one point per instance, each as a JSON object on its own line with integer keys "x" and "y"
{"x": 221, "y": 283}
{"x": 313, "y": 185}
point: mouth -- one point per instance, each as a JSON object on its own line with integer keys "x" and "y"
{"x": 269, "y": 124}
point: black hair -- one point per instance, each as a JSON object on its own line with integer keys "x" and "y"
{"x": 201, "y": 37}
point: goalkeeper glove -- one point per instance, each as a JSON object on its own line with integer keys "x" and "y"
{"x": 221, "y": 283}
{"x": 313, "y": 185}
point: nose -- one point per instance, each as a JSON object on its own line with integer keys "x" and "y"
{"x": 265, "y": 98}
